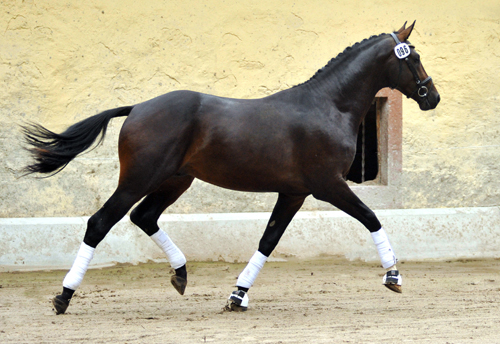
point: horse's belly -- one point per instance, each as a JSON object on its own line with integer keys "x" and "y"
{"x": 248, "y": 178}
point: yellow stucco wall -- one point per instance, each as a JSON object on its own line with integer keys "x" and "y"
{"x": 62, "y": 61}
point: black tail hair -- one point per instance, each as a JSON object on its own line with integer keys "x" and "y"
{"x": 52, "y": 152}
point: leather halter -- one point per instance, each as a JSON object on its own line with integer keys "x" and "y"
{"x": 421, "y": 90}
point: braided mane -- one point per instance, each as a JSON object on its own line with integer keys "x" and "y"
{"x": 331, "y": 64}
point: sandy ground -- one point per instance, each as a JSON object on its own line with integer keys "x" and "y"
{"x": 327, "y": 300}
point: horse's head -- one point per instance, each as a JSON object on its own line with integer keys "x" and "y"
{"x": 409, "y": 76}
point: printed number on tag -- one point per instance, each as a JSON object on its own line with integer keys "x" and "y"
{"x": 402, "y": 50}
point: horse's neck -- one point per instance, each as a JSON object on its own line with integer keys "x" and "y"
{"x": 353, "y": 82}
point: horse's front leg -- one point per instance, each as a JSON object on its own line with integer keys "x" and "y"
{"x": 341, "y": 196}
{"x": 285, "y": 209}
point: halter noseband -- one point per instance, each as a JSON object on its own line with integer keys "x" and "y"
{"x": 421, "y": 90}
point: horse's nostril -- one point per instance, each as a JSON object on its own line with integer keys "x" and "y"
{"x": 438, "y": 99}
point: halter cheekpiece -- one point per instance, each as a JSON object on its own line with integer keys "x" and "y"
{"x": 402, "y": 51}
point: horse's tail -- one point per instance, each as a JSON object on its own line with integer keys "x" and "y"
{"x": 52, "y": 152}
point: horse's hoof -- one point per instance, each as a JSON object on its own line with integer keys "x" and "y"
{"x": 179, "y": 283}
{"x": 60, "y": 304}
{"x": 393, "y": 281}
{"x": 394, "y": 287}
{"x": 238, "y": 301}
{"x": 237, "y": 308}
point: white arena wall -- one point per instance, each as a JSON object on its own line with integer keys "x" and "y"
{"x": 416, "y": 234}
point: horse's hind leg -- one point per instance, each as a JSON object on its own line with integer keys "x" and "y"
{"x": 285, "y": 209}
{"x": 97, "y": 227}
{"x": 341, "y": 196}
{"x": 146, "y": 216}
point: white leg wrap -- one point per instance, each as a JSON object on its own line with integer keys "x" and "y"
{"x": 250, "y": 272}
{"x": 174, "y": 255}
{"x": 384, "y": 248}
{"x": 75, "y": 275}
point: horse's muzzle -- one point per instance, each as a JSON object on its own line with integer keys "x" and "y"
{"x": 430, "y": 101}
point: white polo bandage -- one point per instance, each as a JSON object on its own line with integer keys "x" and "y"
{"x": 384, "y": 248}
{"x": 75, "y": 275}
{"x": 250, "y": 272}
{"x": 174, "y": 255}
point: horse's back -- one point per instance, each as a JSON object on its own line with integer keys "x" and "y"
{"x": 251, "y": 144}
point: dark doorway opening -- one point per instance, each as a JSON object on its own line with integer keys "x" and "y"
{"x": 365, "y": 166}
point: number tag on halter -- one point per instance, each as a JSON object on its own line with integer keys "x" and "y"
{"x": 402, "y": 50}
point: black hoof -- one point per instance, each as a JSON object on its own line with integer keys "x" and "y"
{"x": 60, "y": 304}
{"x": 237, "y": 308}
{"x": 179, "y": 283}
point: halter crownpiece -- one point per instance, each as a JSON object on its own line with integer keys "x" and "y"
{"x": 402, "y": 51}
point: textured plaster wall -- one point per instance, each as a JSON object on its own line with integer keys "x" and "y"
{"x": 62, "y": 61}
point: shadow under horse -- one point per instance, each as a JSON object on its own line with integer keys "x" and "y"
{"x": 297, "y": 142}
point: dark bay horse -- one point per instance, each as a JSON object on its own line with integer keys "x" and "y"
{"x": 297, "y": 142}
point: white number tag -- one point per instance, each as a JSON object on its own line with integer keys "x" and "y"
{"x": 402, "y": 50}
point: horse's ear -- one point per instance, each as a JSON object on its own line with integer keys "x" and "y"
{"x": 402, "y": 28}
{"x": 404, "y": 33}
